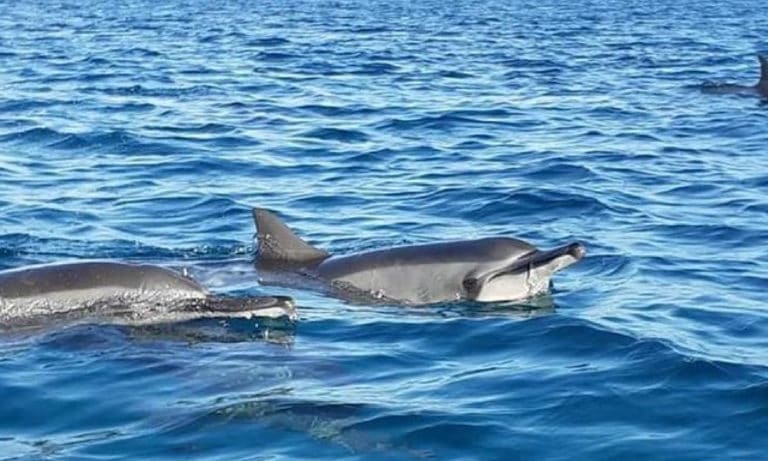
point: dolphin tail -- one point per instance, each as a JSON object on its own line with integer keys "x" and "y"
{"x": 763, "y": 69}
{"x": 277, "y": 242}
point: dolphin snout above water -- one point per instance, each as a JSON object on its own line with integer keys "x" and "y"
{"x": 485, "y": 270}
{"x": 120, "y": 293}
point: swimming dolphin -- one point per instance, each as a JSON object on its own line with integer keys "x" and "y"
{"x": 760, "y": 89}
{"x": 120, "y": 293}
{"x": 485, "y": 270}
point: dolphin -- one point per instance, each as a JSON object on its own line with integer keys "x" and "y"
{"x": 485, "y": 270}
{"x": 759, "y": 89}
{"x": 120, "y": 293}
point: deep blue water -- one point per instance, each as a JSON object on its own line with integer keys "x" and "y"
{"x": 145, "y": 132}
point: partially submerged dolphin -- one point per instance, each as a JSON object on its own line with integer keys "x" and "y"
{"x": 119, "y": 293}
{"x": 759, "y": 89}
{"x": 486, "y": 270}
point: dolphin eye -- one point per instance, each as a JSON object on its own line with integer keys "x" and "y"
{"x": 470, "y": 284}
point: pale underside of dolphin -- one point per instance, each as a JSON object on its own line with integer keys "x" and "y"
{"x": 119, "y": 293}
{"x": 485, "y": 270}
{"x": 759, "y": 89}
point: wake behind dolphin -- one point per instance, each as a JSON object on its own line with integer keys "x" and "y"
{"x": 759, "y": 89}
{"x": 119, "y": 293}
{"x": 485, "y": 270}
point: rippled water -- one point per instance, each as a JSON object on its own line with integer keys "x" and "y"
{"x": 145, "y": 132}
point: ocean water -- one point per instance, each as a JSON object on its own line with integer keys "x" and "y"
{"x": 145, "y": 131}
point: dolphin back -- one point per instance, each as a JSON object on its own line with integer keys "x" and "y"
{"x": 422, "y": 274}
{"x": 64, "y": 280}
{"x": 119, "y": 293}
{"x": 278, "y": 243}
{"x": 763, "y": 84}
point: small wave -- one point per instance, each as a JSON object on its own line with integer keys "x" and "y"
{"x": 371, "y": 29}
{"x": 117, "y": 141}
{"x": 557, "y": 204}
{"x": 37, "y": 135}
{"x": 375, "y": 68}
{"x": 340, "y": 110}
{"x": 722, "y": 234}
{"x": 129, "y": 107}
{"x": 208, "y": 128}
{"x": 272, "y": 56}
{"x": 442, "y": 122}
{"x": 268, "y": 42}
{"x": 197, "y": 70}
{"x": 336, "y": 134}
{"x": 455, "y": 74}
{"x": 21, "y": 105}
{"x": 155, "y": 92}
{"x": 143, "y": 52}
{"x": 560, "y": 171}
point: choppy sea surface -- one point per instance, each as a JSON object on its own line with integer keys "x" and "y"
{"x": 145, "y": 131}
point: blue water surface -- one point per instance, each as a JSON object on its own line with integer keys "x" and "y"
{"x": 145, "y": 131}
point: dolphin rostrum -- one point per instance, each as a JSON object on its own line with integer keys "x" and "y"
{"x": 759, "y": 89}
{"x": 120, "y": 293}
{"x": 485, "y": 270}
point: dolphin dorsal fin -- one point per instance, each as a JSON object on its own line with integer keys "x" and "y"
{"x": 277, "y": 242}
{"x": 763, "y": 69}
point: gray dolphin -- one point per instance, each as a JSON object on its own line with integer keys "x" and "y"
{"x": 485, "y": 270}
{"x": 760, "y": 89}
{"x": 121, "y": 293}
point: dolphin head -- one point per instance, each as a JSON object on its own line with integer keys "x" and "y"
{"x": 518, "y": 271}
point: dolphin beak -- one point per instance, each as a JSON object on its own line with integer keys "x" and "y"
{"x": 538, "y": 258}
{"x": 243, "y": 307}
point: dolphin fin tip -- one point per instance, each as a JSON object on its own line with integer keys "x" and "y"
{"x": 277, "y": 242}
{"x": 763, "y": 58}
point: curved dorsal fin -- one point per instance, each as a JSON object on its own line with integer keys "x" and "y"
{"x": 763, "y": 69}
{"x": 277, "y": 242}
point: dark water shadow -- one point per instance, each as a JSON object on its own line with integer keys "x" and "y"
{"x": 533, "y": 307}
{"x": 275, "y": 331}
{"x": 90, "y": 335}
{"x": 337, "y": 423}
{"x": 530, "y": 308}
